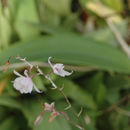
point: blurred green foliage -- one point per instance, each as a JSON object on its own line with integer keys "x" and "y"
{"x": 73, "y": 35}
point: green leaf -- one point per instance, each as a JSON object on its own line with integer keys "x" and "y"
{"x": 17, "y": 122}
{"x": 113, "y": 95}
{"x": 116, "y": 4}
{"x": 119, "y": 121}
{"x": 9, "y": 102}
{"x": 115, "y": 84}
{"x": 101, "y": 94}
{"x": 58, "y": 124}
{"x": 5, "y": 28}
{"x": 3, "y": 113}
{"x": 62, "y": 8}
{"x": 26, "y": 13}
{"x": 94, "y": 82}
{"x": 75, "y": 49}
{"x": 8, "y": 124}
{"x": 118, "y": 82}
{"x": 97, "y": 88}
{"x": 32, "y": 108}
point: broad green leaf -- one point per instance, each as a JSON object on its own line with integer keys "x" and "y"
{"x": 94, "y": 82}
{"x": 8, "y": 124}
{"x": 58, "y": 124}
{"x": 32, "y": 108}
{"x": 3, "y": 113}
{"x": 118, "y": 82}
{"x": 119, "y": 121}
{"x": 115, "y": 84}
{"x": 115, "y": 4}
{"x": 14, "y": 8}
{"x": 15, "y": 122}
{"x": 101, "y": 35}
{"x": 60, "y": 7}
{"x": 113, "y": 95}
{"x": 26, "y": 13}
{"x": 9, "y": 90}
{"x": 96, "y": 87}
{"x": 5, "y": 28}
{"x": 9, "y": 102}
{"x": 101, "y": 94}
{"x": 71, "y": 49}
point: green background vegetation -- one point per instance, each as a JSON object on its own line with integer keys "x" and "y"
{"x": 74, "y": 35}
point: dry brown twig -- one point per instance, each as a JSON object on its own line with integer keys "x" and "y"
{"x": 122, "y": 111}
{"x": 118, "y": 36}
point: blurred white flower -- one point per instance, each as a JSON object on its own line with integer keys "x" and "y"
{"x": 58, "y": 69}
{"x": 24, "y": 84}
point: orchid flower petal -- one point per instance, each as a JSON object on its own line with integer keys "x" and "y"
{"x": 50, "y": 61}
{"x": 67, "y": 73}
{"x": 36, "y": 89}
{"x": 18, "y": 74}
{"x": 26, "y": 73}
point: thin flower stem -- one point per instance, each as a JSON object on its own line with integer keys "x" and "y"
{"x": 74, "y": 124}
{"x": 81, "y": 110}
{"x": 25, "y": 61}
{"x": 56, "y": 87}
{"x": 66, "y": 117}
{"x": 67, "y": 100}
{"x": 53, "y": 84}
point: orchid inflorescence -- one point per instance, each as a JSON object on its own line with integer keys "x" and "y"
{"x": 24, "y": 84}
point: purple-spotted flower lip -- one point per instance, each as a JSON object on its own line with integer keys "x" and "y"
{"x": 58, "y": 69}
{"x": 24, "y": 84}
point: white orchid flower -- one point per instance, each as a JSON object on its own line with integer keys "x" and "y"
{"x": 24, "y": 84}
{"x": 58, "y": 69}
